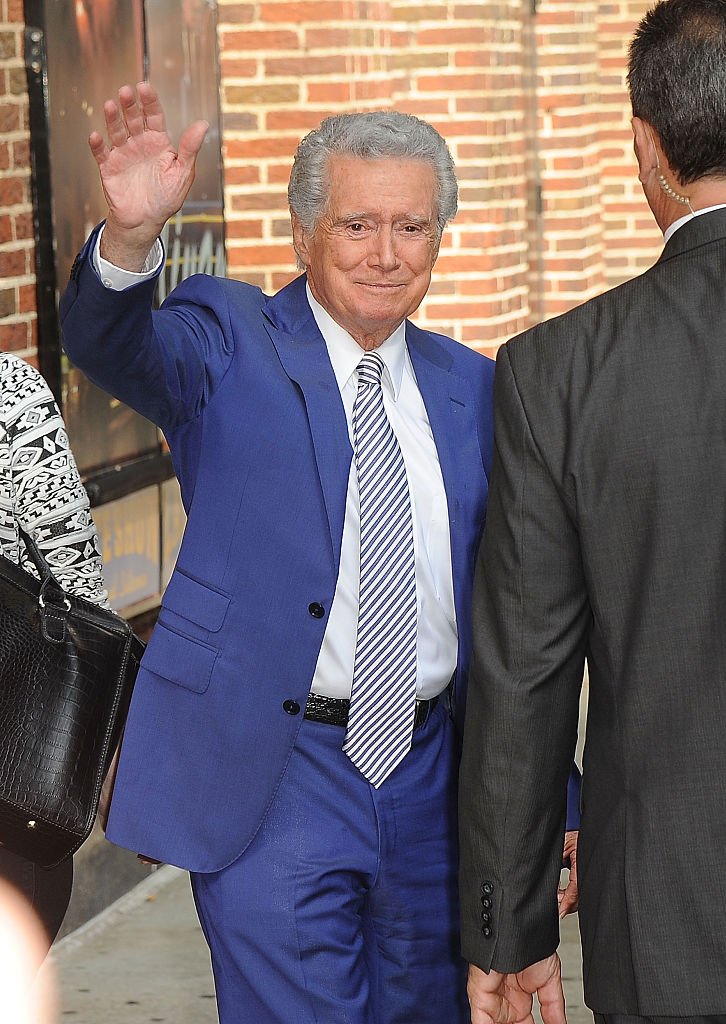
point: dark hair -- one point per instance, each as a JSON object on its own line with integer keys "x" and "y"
{"x": 677, "y": 83}
{"x": 372, "y": 136}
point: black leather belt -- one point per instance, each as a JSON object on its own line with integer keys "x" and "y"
{"x": 334, "y": 710}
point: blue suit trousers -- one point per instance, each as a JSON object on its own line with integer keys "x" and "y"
{"x": 344, "y": 909}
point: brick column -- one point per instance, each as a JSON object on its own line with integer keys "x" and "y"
{"x": 286, "y": 65}
{"x": 466, "y": 62}
{"x": 568, "y": 136}
{"x": 632, "y": 240}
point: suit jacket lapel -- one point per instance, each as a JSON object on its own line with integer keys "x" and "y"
{"x": 447, "y": 397}
{"x": 450, "y": 408}
{"x": 304, "y": 357}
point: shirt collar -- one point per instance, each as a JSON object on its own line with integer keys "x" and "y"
{"x": 345, "y": 353}
{"x": 671, "y": 230}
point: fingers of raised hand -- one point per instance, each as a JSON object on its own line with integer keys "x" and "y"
{"x": 115, "y": 124}
{"x": 136, "y": 111}
{"x": 98, "y": 147}
{"x": 191, "y": 142}
{"x": 131, "y": 112}
{"x": 151, "y": 106}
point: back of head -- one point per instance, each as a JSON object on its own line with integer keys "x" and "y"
{"x": 376, "y": 135}
{"x": 677, "y": 82}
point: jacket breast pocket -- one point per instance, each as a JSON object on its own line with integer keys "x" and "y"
{"x": 179, "y": 659}
{"x": 190, "y": 606}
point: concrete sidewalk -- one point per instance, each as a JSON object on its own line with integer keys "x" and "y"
{"x": 144, "y": 960}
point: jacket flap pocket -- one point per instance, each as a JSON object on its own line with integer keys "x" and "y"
{"x": 185, "y": 662}
{"x": 195, "y": 601}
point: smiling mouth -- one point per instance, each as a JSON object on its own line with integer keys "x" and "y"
{"x": 383, "y": 284}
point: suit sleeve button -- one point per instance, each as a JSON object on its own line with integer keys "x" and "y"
{"x": 316, "y": 610}
{"x": 291, "y": 707}
{"x": 487, "y": 888}
{"x": 486, "y": 932}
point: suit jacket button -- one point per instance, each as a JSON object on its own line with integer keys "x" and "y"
{"x": 291, "y": 707}
{"x": 316, "y": 610}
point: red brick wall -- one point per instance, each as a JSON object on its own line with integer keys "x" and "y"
{"x": 632, "y": 240}
{"x": 533, "y": 106}
{"x": 17, "y": 251}
{"x": 568, "y": 142}
{"x": 286, "y": 65}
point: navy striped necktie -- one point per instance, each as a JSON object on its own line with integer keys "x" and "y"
{"x": 383, "y": 696}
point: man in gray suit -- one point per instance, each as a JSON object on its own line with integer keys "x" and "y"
{"x": 606, "y": 541}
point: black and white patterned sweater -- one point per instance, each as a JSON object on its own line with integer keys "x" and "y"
{"x": 40, "y": 486}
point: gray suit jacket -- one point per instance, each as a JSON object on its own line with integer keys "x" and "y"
{"x": 606, "y": 540}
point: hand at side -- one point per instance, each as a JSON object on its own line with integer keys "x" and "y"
{"x": 507, "y": 998}
{"x": 569, "y": 897}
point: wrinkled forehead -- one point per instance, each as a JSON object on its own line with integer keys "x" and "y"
{"x": 394, "y": 186}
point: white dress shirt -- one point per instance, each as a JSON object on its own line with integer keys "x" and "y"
{"x": 437, "y": 637}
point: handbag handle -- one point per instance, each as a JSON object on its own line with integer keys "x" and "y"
{"x": 51, "y": 593}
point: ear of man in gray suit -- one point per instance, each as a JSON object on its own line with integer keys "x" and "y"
{"x": 606, "y": 541}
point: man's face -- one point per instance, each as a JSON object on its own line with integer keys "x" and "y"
{"x": 369, "y": 262}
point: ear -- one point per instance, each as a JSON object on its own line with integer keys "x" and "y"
{"x": 646, "y": 151}
{"x": 300, "y": 239}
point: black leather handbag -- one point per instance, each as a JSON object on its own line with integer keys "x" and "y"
{"x": 67, "y": 670}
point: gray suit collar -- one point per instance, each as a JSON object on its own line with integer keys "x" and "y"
{"x": 710, "y": 227}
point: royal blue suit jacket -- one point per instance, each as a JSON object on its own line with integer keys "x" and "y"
{"x": 242, "y": 386}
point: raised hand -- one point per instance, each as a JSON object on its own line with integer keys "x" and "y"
{"x": 145, "y": 180}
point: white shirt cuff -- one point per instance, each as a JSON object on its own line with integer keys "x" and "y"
{"x": 118, "y": 279}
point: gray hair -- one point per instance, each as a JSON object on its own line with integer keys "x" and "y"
{"x": 375, "y": 135}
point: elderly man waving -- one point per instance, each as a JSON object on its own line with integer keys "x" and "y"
{"x": 291, "y": 739}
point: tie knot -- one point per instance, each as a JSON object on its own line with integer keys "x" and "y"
{"x": 370, "y": 369}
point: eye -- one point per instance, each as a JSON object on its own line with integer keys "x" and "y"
{"x": 356, "y": 227}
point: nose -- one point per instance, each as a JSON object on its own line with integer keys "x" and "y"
{"x": 383, "y": 253}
